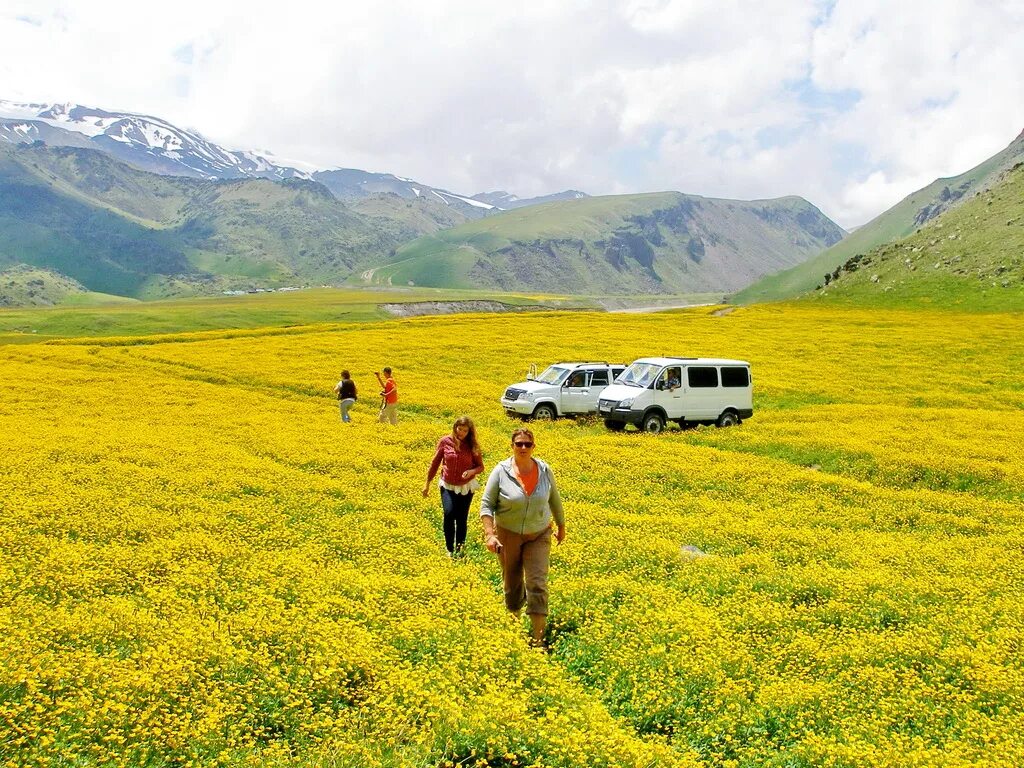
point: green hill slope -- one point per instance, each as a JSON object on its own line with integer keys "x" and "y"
{"x": 43, "y": 226}
{"x": 650, "y": 243}
{"x": 25, "y": 286}
{"x": 118, "y": 230}
{"x": 971, "y": 257}
{"x": 900, "y": 220}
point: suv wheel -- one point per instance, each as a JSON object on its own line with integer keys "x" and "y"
{"x": 544, "y": 412}
{"x": 653, "y": 423}
{"x": 728, "y": 419}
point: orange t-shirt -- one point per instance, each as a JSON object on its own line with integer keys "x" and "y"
{"x": 390, "y": 391}
{"x": 529, "y": 480}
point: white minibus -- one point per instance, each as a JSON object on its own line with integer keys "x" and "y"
{"x": 653, "y": 391}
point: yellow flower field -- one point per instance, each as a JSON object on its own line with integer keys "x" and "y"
{"x": 199, "y": 565}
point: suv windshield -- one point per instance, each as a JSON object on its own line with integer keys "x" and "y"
{"x": 639, "y": 375}
{"x": 553, "y": 375}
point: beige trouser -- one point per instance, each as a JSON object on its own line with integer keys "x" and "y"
{"x": 388, "y": 413}
{"x": 524, "y": 569}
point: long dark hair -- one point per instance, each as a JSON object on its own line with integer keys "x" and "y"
{"x": 470, "y": 439}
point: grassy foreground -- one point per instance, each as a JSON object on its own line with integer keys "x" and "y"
{"x": 199, "y": 565}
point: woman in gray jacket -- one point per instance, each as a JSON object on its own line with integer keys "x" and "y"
{"x": 517, "y": 508}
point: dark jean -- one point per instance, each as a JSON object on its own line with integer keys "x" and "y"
{"x": 456, "y": 515}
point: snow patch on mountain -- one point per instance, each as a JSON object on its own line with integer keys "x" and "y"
{"x": 151, "y": 143}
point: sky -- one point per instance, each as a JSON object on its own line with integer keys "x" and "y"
{"x": 849, "y": 104}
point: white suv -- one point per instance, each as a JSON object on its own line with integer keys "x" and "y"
{"x": 563, "y": 389}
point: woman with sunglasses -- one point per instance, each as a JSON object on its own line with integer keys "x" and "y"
{"x": 517, "y": 508}
{"x": 458, "y": 456}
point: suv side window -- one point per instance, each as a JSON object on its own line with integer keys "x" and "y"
{"x": 701, "y": 376}
{"x": 577, "y": 379}
{"x": 599, "y": 378}
{"x": 617, "y": 371}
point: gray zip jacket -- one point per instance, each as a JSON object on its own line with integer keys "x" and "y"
{"x": 505, "y": 500}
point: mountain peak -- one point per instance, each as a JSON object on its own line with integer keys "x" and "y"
{"x": 506, "y": 200}
{"x": 148, "y": 143}
{"x": 58, "y": 111}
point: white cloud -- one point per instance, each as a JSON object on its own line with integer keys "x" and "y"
{"x": 940, "y": 86}
{"x": 602, "y": 95}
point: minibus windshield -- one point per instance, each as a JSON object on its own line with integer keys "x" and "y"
{"x": 639, "y": 375}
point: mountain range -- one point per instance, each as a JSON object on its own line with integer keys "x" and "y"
{"x": 156, "y": 145}
{"x": 148, "y": 143}
{"x": 116, "y": 229}
{"x": 131, "y": 205}
{"x": 98, "y": 204}
{"x": 647, "y": 243}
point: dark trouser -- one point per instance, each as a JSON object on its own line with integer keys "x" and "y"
{"x": 524, "y": 569}
{"x": 456, "y": 514}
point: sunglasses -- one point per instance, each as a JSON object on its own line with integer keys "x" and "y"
{"x": 522, "y": 444}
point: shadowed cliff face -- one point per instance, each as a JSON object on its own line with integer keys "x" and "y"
{"x": 626, "y": 245}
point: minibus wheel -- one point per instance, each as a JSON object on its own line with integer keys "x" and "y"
{"x": 728, "y": 419}
{"x": 614, "y": 426}
{"x": 653, "y": 423}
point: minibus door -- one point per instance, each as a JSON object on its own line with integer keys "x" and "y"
{"x": 702, "y": 393}
{"x": 668, "y": 391}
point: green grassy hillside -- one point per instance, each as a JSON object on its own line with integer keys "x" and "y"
{"x": 44, "y": 226}
{"x": 649, "y": 243}
{"x": 899, "y": 221}
{"x": 971, "y": 257}
{"x": 118, "y": 230}
{"x": 25, "y": 286}
{"x": 96, "y": 180}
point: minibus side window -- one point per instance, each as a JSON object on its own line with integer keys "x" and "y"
{"x": 700, "y": 376}
{"x": 735, "y": 376}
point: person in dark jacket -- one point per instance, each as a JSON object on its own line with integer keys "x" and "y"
{"x": 518, "y": 508}
{"x": 459, "y": 458}
{"x": 346, "y": 392}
